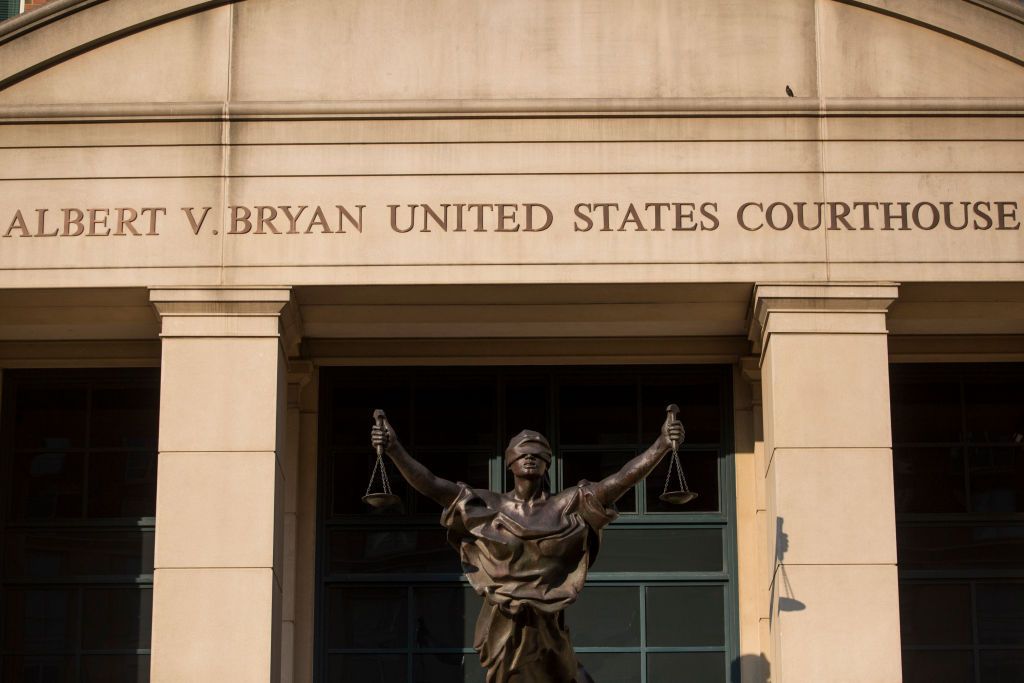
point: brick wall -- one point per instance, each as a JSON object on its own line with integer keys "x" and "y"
{"x": 32, "y": 4}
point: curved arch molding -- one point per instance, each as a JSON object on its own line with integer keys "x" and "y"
{"x": 64, "y": 29}
{"x": 998, "y": 28}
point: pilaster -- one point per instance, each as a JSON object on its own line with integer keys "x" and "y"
{"x": 220, "y": 530}
{"x": 828, "y": 517}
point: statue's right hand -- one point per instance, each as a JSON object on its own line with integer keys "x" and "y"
{"x": 383, "y": 435}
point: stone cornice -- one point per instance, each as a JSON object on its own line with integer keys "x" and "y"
{"x": 518, "y": 108}
{"x": 818, "y": 308}
{"x": 229, "y": 312}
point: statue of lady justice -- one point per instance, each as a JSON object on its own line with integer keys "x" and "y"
{"x": 527, "y": 551}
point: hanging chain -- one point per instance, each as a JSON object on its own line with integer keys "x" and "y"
{"x": 384, "y": 475}
{"x": 385, "y": 482}
{"x": 682, "y": 475}
{"x": 379, "y": 464}
{"x": 678, "y": 467}
{"x": 671, "y": 467}
{"x": 373, "y": 475}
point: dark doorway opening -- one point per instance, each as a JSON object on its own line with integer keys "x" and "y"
{"x": 78, "y": 459}
{"x": 958, "y": 459}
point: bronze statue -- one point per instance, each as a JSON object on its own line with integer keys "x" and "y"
{"x": 527, "y": 551}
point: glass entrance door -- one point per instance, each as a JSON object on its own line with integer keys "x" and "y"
{"x": 660, "y": 601}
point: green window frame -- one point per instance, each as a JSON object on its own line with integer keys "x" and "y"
{"x": 700, "y": 572}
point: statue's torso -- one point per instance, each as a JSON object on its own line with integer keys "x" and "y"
{"x": 535, "y": 555}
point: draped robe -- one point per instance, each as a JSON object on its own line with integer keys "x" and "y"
{"x": 527, "y": 575}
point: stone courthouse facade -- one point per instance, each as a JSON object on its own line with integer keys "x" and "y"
{"x": 229, "y": 230}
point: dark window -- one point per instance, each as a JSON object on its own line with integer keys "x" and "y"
{"x": 958, "y": 463}
{"x": 393, "y": 603}
{"x": 78, "y": 465}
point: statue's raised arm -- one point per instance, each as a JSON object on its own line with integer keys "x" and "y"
{"x": 419, "y": 477}
{"x": 611, "y": 488}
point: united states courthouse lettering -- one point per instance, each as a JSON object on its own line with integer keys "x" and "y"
{"x": 229, "y": 230}
{"x": 529, "y": 217}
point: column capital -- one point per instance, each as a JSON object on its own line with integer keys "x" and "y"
{"x": 299, "y": 373}
{"x": 751, "y": 369}
{"x": 817, "y": 308}
{"x": 229, "y": 312}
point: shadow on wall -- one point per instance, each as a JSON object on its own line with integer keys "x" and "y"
{"x": 757, "y": 668}
{"x": 753, "y": 669}
{"x": 787, "y": 601}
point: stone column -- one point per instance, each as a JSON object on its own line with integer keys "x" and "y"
{"x": 833, "y": 594}
{"x": 304, "y": 605}
{"x": 220, "y": 490}
{"x": 299, "y": 375}
{"x": 751, "y": 524}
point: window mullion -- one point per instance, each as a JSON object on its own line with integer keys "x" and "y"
{"x": 643, "y": 631}
{"x": 410, "y": 643}
{"x": 976, "y": 654}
